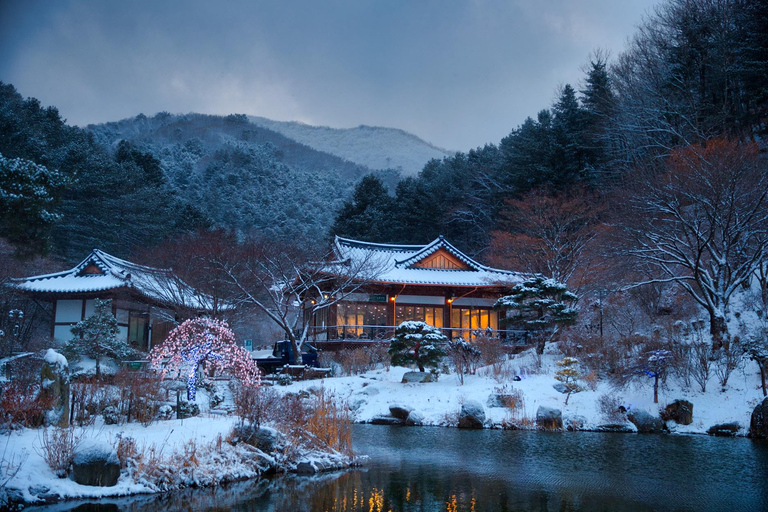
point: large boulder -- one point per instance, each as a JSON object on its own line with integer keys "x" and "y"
{"x": 472, "y": 415}
{"x": 724, "y": 429}
{"x": 680, "y": 411}
{"x": 549, "y": 418}
{"x": 383, "y": 419}
{"x": 414, "y": 419}
{"x": 758, "y": 425}
{"x": 96, "y": 464}
{"x": 400, "y": 411}
{"x": 418, "y": 377}
{"x": 645, "y": 422}
{"x": 54, "y": 380}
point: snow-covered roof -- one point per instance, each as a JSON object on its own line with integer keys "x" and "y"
{"x": 101, "y": 272}
{"x": 399, "y": 264}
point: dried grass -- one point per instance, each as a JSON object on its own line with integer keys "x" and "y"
{"x": 58, "y": 448}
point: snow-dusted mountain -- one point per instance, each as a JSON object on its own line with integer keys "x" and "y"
{"x": 372, "y": 146}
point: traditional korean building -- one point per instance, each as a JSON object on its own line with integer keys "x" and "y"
{"x": 435, "y": 283}
{"x": 145, "y": 300}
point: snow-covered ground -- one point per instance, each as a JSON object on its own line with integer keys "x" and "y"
{"x": 372, "y": 393}
{"x": 35, "y": 478}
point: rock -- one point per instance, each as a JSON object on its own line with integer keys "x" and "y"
{"x": 621, "y": 428}
{"x": 54, "y": 381}
{"x": 356, "y": 404}
{"x": 306, "y": 468}
{"x": 414, "y": 419}
{"x": 418, "y": 377}
{"x": 383, "y": 419}
{"x": 645, "y": 422}
{"x": 370, "y": 391}
{"x": 472, "y": 414}
{"x": 758, "y": 425}
{"x": 575, "y": 423}
{"x": 96, "y": 464}
{"x": 561, "y": 388}
{"x": 500, "y": 400}
{"x": 724, "y": 429}
{"x": 680, "y": 411}
{"x": 549, "y": 418}
{"x": 266, "y": 439}
{"x": 400, "y": 411}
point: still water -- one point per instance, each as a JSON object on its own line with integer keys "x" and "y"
{"x": 449, "y": 470}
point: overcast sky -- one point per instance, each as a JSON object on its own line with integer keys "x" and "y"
{"x": 456, "y": 73}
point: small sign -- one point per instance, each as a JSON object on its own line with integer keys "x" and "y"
{"x": 248, "y": 345}
{"x": 377, "y": 298}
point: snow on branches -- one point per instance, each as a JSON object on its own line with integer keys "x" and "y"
{"x": 417, "y": 342}
{"x": 207, "y": 342}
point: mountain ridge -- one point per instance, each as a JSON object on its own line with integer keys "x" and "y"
{"x": 374, "y": 147}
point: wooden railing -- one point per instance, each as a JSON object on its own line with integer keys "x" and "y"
{"x": 375, "y": 333}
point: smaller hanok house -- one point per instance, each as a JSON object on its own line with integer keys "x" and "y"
{"x": 434, "y": 283}
{"x": 146, "y": 301}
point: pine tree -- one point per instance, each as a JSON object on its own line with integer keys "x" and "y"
{"x": 367, "y": 215}
{"x": 417, "y": 343}
{"x": 569, "y": 376}
{"x": 28, "y": 195}
{"x": 757, "y": 350}
{"x": 568, "y": 160}
{"x": 540, "y": 304}
{"x": 96, "y": 337}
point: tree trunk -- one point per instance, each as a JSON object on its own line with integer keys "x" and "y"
{"x": 718, "y": 329}
{"x": 762, "y": 378}
{"x": 295, "y": 346}
{"x": 656, "y": 389}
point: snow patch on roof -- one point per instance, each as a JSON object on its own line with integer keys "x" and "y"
{"x": 156, "y": 284}
{"x": 396, "y": 264}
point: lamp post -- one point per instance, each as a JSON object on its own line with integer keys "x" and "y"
{"x": 15, "y": 316}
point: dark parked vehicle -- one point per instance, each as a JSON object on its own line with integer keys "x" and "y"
{"x": 283, "y": 355}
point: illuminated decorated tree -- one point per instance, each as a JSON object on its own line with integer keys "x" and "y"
{"x": 204, "y": 342}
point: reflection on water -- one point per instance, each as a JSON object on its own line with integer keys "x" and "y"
{"x": 449, "y": 470}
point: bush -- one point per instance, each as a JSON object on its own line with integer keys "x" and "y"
{"x": 140, "y": 395}
{"x": 90, "y": 397}
{"x": 58, "y": 449}
{"x": 318, "y": 421}
{"x": 465, "y": 357}
{"x": 23, "y": 406}
{"x": 255, "y": 405}
{"x": 491, "y": 350}
{"x": 612, "y": 408}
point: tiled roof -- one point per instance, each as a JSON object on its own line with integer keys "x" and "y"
{"x": 395, "y": 264}
{"x": 157, "y": 284}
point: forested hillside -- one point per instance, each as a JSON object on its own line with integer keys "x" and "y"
{"x": 693, "y": 72}
{"x": 242, "y": 177}
{"x": 130, "y": 185}
{"x": 645, "y": 187}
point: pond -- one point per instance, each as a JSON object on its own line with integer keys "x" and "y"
{"x": 441, "y": 469}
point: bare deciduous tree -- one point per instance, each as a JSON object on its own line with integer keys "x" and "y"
{"x": 291, "y": 285}
{"x": 702, "y": 223}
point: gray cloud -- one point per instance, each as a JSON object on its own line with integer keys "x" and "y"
{"x": 457, "y": 73}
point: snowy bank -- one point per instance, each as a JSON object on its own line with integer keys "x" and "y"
{"x": 192, "y": 452}
{"x": 371, "y": 394}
